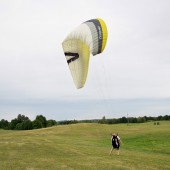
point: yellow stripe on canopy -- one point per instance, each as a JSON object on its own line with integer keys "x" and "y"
{"x": 105, "y": 33}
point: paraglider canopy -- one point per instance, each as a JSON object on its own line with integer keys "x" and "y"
{"x": 88, "y": 38}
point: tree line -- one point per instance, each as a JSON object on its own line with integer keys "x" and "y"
{"x": 117, "y": 120}
{"x": 22, "y": 122}
{"x": 133, "y": 119}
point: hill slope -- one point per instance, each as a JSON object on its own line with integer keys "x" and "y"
{"x": 86, "y": 146}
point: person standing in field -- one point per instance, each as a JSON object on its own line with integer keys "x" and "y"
{"x": 115, "y": 143}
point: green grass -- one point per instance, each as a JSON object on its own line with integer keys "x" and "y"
{"x": 86, "y": 146}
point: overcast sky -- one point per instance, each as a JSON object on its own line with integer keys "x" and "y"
{"x": 131, "y": 76}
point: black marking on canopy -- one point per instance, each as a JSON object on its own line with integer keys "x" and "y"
{"x": 75, "y": 56}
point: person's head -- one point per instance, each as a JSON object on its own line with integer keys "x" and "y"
{"x": 113, "y": 134}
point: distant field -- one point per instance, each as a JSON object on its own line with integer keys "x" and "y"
{"x": 86, "y": 146}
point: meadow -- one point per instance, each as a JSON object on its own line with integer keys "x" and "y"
{"x": 86, "y": 146}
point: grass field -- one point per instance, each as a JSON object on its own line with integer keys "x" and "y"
{"x": 86, "y": 146}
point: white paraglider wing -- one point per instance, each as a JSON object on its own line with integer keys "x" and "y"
{"x": 89, "y": 38}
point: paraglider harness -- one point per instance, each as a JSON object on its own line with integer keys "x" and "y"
{"x": 115, "y": 142}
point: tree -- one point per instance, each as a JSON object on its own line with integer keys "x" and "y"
{"x": 27, "y": 125}
{"x": 123, "y": 120}
{"x": 22, "y": 118}
{"x": 159, "y": 118}
{"x": 19, "y": 122}
{"x": 36, "y": 124}
{"x": 140, "y": 120}
{"x": 133, "y": 120}
{"x": 4, "y": 124}
{"x": 51, "y": 123}
{"x": 18, "y": 126}
{"x": 166, "y": 117}
{"x": 103, "y": 120}
{"x": 41, "y": 120}
{"x": 13, "y": 124}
